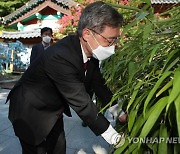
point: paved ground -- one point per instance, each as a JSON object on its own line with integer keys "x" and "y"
{"x": 79, "y": 140}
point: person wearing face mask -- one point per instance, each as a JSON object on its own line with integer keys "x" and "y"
{"x": 63, "y": 77}
{"x": 100, "y": 53}
{"x": 38, "y": 49}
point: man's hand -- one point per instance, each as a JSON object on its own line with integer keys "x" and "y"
{"x": 122, "y": 117}
{"x": 113, "y": 113}
{"x": 113, "y": 137}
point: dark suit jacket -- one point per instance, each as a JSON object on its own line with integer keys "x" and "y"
{"x": 56, "y": 81}
{"x": 36, "y": 51}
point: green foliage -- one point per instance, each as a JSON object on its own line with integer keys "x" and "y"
{"x": 8, "y": 6}
{"x": 145, "y": 74}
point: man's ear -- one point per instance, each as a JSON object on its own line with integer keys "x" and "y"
{"x": 86, "y": 34}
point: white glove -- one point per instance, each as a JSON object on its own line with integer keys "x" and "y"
{"x": 109, "y": 116}
{"x": 112, "y": 114}
{"x": 112, "y": 137}
{"x": 114, "y": 110}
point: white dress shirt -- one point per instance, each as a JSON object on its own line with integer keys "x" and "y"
{"x": 85, "y": 58}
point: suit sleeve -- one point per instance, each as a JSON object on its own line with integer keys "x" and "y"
{"x": 66, "y": 78}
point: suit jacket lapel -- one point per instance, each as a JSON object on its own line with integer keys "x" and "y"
{"x": 78, "y": 58}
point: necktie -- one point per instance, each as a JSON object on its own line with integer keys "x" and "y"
{"x": 86, "y": 65}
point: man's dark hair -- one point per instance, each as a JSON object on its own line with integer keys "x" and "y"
{"x": 44, "y": 29}
{"x": 97, "y": 15}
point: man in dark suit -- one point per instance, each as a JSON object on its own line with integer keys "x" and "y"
{"x": 61, "y": 78}
{"x": 38, "y": 49}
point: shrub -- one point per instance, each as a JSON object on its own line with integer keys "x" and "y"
{"x": 145, "y": 74}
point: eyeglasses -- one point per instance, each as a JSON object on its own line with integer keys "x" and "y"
{"x": 110, "y": 41}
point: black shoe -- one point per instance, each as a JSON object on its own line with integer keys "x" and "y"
{"x": 84, "y": 124}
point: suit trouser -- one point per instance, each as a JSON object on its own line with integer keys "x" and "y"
{"x": 55, "y": 142}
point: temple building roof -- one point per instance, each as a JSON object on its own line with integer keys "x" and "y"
{"x": 21, "y": 35}
{"x": 34, "y": 6}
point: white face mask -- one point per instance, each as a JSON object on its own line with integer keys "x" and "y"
{"x": 46, "y": 39}
{"x": 101, "y": 52}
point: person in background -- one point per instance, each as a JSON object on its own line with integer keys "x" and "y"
{"x": 60, "y": 79}
{"x": 38, "y": 49}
